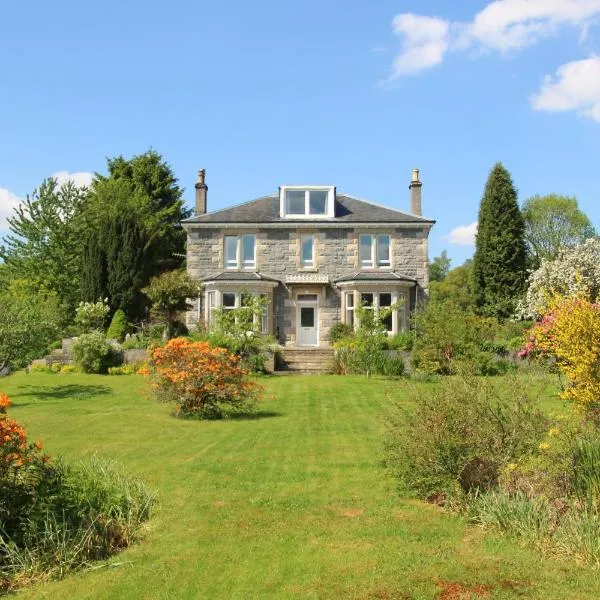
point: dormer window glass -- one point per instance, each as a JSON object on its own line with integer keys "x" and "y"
{"x": 297, "y": 202}
{"x": 317, "y": 203}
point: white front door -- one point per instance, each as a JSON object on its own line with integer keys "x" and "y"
{"x": 307, "y": 324}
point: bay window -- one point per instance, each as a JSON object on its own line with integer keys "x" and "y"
{"x": 385, "y": 301}
{"x": 228, "y": 301}
{"x": 211, "y": 305}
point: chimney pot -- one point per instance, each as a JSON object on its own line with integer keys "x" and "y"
{"x": 415, "y": 193}
{"x": 201, "y": 193}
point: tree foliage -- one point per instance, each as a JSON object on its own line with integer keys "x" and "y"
{"x": 45, "y": 240}
{"x": 133, "y": 231}
{"x": 29, "y": 322}
{"x": 456, "y": 288}
{"x": 439, "y": 267}
{"x": 575, "y": 270}
{"x": 552, "y": 223}
{"x": 145, "y": 186}
{"x": 126, "y": 266}
{"x": 500, "y": 261}
{"x": 169, "y": 293}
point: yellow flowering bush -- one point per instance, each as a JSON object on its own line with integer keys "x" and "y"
{"x": 570, "y": 332}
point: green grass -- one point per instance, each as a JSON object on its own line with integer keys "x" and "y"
{"x": 291, "y": 504}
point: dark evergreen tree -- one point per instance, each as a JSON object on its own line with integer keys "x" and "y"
{"x": 94, "y": 275}
{"x": 500, "y": 261}
{"x": 127, "y": 269}
{"x": 146, "y": 186}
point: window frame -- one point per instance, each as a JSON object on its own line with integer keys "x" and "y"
{"x": 349, "y": 315}
{"x": 238, "y": 302}
{"x": 397, "y": 316}
{"x": 240, "y": 262}
{"x": 304, "y": 263}
{"x": 307, "y": 189}
{"x": 374, "y": 261}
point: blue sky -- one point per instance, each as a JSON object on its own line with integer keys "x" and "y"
{"x": 350, "y": 93}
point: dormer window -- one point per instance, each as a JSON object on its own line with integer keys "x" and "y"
{"x": 307, "y": 202}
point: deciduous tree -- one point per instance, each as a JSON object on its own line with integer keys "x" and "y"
{"x": 45, "y": 240}
{"x": 552, "y": 223}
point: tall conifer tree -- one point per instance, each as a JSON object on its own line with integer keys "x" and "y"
{"x": 500, "y": 261}
{"x": 94, "y": 276}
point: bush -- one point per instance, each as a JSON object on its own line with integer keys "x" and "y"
{"x": 570, "y": 333}
{"x": 91, "y": 316}
{"x": 202, "y": 381}
{"x": 94, "y": 353}
{"x": 528, "y": 518}
{"x": 447, "y": 338}
{"x": 118, "y": 326}
{"x": 132, "y": 368}
{"x": 135, "y": 342}
{"x": 402, "y": 341}
{"x": 339, "y": 331}
{"x": 366, "y": 352}
{"x": 460, "y": 437}
{"x": 55, "y": 517}
{"x": 359, "y": 356}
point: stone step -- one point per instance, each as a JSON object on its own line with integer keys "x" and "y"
{"x": 305, "y": 360}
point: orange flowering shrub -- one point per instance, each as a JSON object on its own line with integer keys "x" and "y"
{"x": 15, "y": 450}
{"x": 202, "y": 380}
{"x": 4, "y": 402}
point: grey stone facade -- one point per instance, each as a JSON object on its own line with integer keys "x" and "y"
{"x": 278, "y": 273}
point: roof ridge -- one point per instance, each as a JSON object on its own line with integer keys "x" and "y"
{"x": 216, "y": 212}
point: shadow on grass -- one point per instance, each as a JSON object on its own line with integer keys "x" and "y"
{"x": 255, "y": 416}
{"x": 60, "y": 392}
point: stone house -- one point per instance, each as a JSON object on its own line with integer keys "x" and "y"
{"x": 315, "y": 253}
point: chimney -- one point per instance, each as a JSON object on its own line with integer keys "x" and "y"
{"x": 415, "y": 193}
{"x": 201, "y": 190}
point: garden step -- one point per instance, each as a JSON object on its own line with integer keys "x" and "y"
{"x": 305, "y": 360}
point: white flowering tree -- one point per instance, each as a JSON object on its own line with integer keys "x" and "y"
{"x": 574, "y": 271}
{"x": 91, "y": 316}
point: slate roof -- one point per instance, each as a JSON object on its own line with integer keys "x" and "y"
{"x": 347, "y": 210}
{"x": 240, "y": 276}
{"x": 375, "y": 276}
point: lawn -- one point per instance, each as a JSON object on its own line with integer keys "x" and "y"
{"x": 291, "y": 504}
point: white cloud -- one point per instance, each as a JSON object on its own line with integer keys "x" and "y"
{"x": 8, "y": 203}
{"x": 463, "y": 235}
{"x": 512, "y": 24}
{"x": 576, "y": 86}
{"x": 80, "y": 179}
{"x": 424, "y": 42}
{"x": 503, "y": 25}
